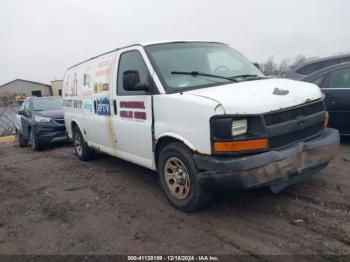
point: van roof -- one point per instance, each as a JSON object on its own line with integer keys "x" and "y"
{"x": 145, "y": 44}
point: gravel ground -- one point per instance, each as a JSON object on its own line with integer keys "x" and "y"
{"x": 51, "y": 203}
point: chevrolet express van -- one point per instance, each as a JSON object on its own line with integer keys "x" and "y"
{"x": 201, "y": 115}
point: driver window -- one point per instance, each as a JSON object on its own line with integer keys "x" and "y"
{"x": 132, "y": 60}
{"x": 27, "y": 109}
{"x": 223, "y": 63}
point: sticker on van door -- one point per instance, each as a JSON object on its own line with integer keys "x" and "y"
{"x": 103, "y": 106}
{"x": 132, "y": 115}
{"x": 88, "y": 107}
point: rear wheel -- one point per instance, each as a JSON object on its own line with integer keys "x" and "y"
{"x": 178, "y": 178}
{"x": 83, "y": 151}
{"x": 21, "y": 141}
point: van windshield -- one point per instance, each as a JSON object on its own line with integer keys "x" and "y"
{"x": 186, "y": 66}
{"x": 43, "y": 104}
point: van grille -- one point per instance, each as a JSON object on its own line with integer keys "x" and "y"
{"x": 297, "y": 136}
{"x": 292, "y": 114}
{"x": 310, "y": 128}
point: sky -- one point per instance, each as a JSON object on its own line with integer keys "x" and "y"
{"x": 40, "y": 39}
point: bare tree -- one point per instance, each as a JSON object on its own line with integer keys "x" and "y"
{"x": 284, "y": 66}
{"x": 299, "y": 59}
{"x": 269, "y": 67}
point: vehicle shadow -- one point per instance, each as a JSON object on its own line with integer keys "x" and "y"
{"x": 53, "y": 146}
{"x": 345, "y": 140}
{"x": 254, "y": 199}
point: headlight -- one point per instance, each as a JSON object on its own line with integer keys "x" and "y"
{"x": 239, "y": 127}
{"x": 42, "y": 119}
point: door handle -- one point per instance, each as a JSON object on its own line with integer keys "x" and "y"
{"x": 115, "y": 107}
{"x": 95, "y": 106}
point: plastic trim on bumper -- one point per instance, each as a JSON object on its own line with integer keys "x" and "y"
{"x": 269, "y": 168}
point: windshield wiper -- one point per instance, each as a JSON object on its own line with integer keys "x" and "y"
{"x": 252, "y": 77}
{"x": 196, "y": 73}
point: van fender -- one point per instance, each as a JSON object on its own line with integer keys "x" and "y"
{"x": 177, "y": 137}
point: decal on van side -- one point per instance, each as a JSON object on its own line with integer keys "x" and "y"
{"x": 137, "y": 115}
{"x": 88, "y": 107}
{"x": 70, "y": 86}
{"x": 72, "y": 103}
{"x": 103, "y": 106}
{"x": 101, "y": 87}
{"x": 102, "y": 74}
{"x": 87, "y": 85}
{"x": 132, "y": 104}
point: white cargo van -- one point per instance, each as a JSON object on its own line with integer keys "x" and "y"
{"x": 201, "y": 115}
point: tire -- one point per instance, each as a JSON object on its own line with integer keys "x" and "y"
{"x": 20, "y": 139}
{"x": 83, "y": 151}
{"x": 34, "y": 141}
{"x": 183, "y": 194}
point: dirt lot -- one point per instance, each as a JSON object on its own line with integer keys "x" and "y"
{"x": 51, "y": 203}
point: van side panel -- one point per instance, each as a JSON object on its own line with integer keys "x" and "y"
{"x": 86, "y": 94}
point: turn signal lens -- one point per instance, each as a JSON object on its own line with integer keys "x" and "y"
{"x": 326, "y": 121}
{"x": 241, "y": 145}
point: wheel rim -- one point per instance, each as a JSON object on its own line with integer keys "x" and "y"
{"x": 77, "y": 144}
{"x": 177, "y": 178}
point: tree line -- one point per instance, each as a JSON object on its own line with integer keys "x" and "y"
{"x": 271, "y": 68}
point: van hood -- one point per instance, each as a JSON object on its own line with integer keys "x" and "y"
{"x": 260, "y": 96}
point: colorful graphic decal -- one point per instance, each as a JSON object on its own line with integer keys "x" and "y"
{"x": 72, "y": 103}
{"x": 103, "y": 106}
{"x": 100, "y": 87}
{"x": 70, "y": 86}
{"x": 102, "y": 74}
{"x": 128, "y": 114}
{"x": 87, "y": 81}
{"x": 88, "y": 107}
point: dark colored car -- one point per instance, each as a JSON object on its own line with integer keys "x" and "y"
{"x": 40, "y": 121}
{"x": 334, "y": 82}
{"x": 306, "y": 68}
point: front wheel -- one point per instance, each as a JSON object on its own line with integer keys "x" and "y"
{"x": 34, "y": 141}
{"x": 178, "y": 178}
{"x": 21, "y": 141}
{"x": 83, "y": 151}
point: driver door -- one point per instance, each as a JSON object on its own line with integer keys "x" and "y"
{"x": 337, "y": 92}
{"x": 132, "y": 110}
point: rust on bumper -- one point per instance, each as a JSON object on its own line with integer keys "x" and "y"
{"x": 276, "y": 169}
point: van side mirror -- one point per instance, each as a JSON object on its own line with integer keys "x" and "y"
{"x": 257, "y": 65}
{"x": 131, "y": 81}
{"x": 22, "y": 113}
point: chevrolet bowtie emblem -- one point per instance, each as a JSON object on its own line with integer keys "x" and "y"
{"x": 280, "y": 92}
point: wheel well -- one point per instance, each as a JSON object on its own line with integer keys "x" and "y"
{"x": 162, "y": 142}
{"x": 73, "y": 125}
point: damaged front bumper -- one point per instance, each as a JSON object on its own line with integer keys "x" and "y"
{"x": 276, "y": 169}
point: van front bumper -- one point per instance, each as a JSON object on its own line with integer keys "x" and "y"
{"x": 276, "y": 169}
